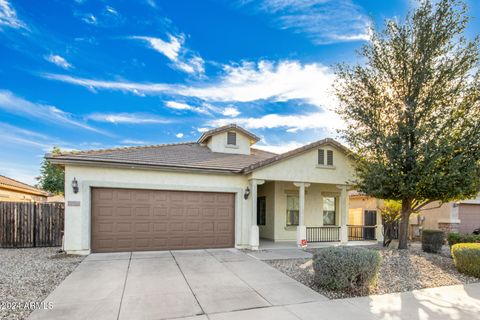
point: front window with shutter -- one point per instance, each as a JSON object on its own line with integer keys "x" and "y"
{"x": 232, "y": 138}
{"x": 329, "y": 158}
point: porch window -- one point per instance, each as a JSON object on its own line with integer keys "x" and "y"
{"x": 329, "y": 211}
{"x": 292, "y": 210}
{"x": 261, "y": 211}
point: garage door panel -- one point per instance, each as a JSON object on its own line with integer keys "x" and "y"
{"x": 129, "y": 220}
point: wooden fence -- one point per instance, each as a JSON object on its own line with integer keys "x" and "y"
{"x": 24, "y": 224}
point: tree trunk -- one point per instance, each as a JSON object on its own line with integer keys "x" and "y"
{"x": 404, "y": 222}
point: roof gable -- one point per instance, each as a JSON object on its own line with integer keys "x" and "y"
{"x": 9, "y": 183}
{"x": 297, "y": 152}
{"x": 230, "y": 127}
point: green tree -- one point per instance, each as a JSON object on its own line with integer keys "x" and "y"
{"x": 391, "y": 214}
{"x": 52, "y": 177}
{"x": 412, "y": 109}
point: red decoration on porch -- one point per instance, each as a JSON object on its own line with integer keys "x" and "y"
{"x": 303, "y": 242}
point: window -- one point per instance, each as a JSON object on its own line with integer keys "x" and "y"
{"x": 328, "y": 211}
{"x": 321, "y": 156}
{"x": 232, "y": 138}
{"x": 292, "y": 210}
{"x": 329, "y": 158}
{"x": 261, "y": 211}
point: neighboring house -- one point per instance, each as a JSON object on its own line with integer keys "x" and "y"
{"x": 12, "y": 190}
{"x": 214, "y": 193}
{"x": 363, "y": 216}
{"x": 57, "y": 198}
{"x": 460, "y": 216}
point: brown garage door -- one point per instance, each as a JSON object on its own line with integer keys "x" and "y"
{"x": 136, "y": 220}
{"x": 469, "y": 215}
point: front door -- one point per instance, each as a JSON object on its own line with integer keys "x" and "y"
{"x": 370, "y": 220}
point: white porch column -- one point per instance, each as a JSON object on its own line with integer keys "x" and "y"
{"x": 254, "y": 232}
{"x": 343, "y": 214}
{"x": 379, "y": 229}
{"x": 301, "y": 228}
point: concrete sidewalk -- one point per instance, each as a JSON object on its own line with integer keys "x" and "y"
{"x": 228, "y": 284}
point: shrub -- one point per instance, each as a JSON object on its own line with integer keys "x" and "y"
{"x": 455, "y": 237}
{"x": 432, "y": 240}
{"x": 467, "y": 258}
{"x": 350, "y": 268}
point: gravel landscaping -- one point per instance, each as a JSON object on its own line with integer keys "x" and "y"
{"x": 401, "y": 270}
{"x": 29, "y": 275}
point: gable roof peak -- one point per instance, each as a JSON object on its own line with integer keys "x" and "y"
{"x": 229, "y": 127}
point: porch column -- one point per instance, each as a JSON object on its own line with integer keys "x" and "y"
{"x": 254, "y": 232}
{"x": 379, "y": 228}
{"x": 343, "y": 214}
{"x": 301, "y": 229}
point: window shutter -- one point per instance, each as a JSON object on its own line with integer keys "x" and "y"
{"x": 321, "y": 156}
{"x": 232, "y": 138}
{"x": 329, "y": 158}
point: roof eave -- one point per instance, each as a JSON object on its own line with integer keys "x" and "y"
{"x": 115, "y": 164}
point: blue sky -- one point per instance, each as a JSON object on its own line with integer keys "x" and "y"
{"x": 86, "y": 74}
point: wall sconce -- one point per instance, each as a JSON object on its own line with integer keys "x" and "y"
{"x": 247, "y": 193}
{"x": 75, "y": 185}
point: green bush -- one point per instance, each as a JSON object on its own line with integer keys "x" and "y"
{"x": 346, "y": 268}
{"x": 455, "y": 237}
{"x": 432, "y": 240}
{"x": 467, "y": 258}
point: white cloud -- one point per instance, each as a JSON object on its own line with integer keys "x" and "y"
{"x": 284, "y": 147}
{"x": 131, "y": 118}
{"x": 202, "y": 130}
{"x": 8, "y": 16}
{"x": 175, "y": 51}
{"x": 90, "y": 19}
{"x": 230, "y": 112}
{"x": 183, "y": 106}
{"x": 179, "y": 135}
{"x": 323, "y": 21}
{"x": 292, "y": 123}
{"x": 134, "y": 142}
{"x": 58, "y": 60}
{"x": 282, "y": 81}
{"x": 19, "y": 106}
{"x": 247, "y": 82}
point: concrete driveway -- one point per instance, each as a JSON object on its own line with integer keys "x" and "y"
{"x": 173, "y": 284}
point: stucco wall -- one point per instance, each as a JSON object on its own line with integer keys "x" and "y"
{"x": 77, "y": 218}
{"x": 469, "y": 215}
{"x": 434, "y": 213}
{"x": 16, "y": 196}
{"x": 304, "y": 168}
{"x": 218, "y": 143}
{"x": 268, "y": 191}
{"x": 357, "y": 207}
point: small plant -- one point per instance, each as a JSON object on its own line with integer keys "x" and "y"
{"x": 391, "y": 214}
{"x": 455, "y": 237}
{"x": 346, "y": 268}
{"x": 432, "y": 240}
{"x": 466, "y": 257}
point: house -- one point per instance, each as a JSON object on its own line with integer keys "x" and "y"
{"x": 12, "y": 190}
{"x": 363, "y": 216}
{"x": 217, "y": 192}
{"x": 456, "y": 216}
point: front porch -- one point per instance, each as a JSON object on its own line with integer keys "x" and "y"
{"x": 288, "y": 213}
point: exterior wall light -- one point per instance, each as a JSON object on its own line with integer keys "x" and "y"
{"x": 75, "y": 185}
{"x": 247, "y": 193}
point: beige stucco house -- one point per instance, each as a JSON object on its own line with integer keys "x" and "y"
{"x": 456, "y": 216}
{"x": 220, "y": 191}
{"x": 12, "y": 190}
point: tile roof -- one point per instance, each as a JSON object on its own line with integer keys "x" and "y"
{"x": 8, "y": 183}
{"x": 190, "y": 155}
